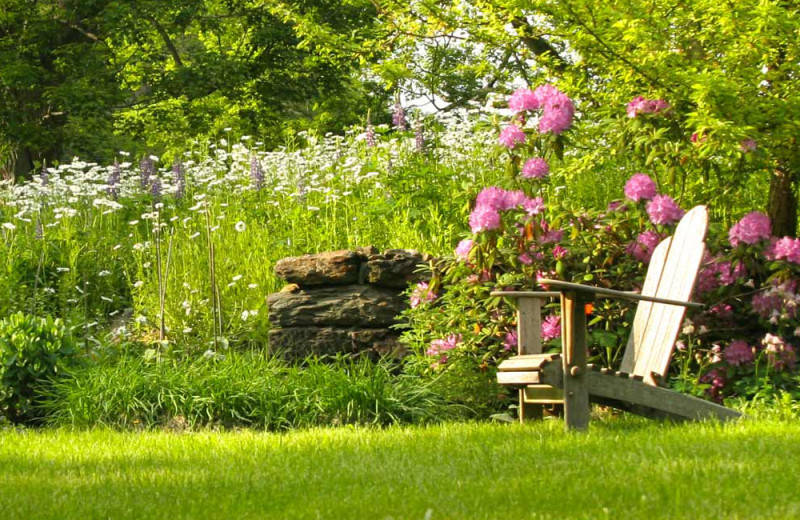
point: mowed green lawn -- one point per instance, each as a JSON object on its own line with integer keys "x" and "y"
{"x": 623, "y": 468}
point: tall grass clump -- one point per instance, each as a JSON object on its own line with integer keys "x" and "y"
{"x": 245, "y": 389}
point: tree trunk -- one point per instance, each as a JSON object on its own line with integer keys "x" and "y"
{"x": 782, "y": 203}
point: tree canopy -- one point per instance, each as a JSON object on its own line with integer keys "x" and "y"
{"x": 88, "y": 77}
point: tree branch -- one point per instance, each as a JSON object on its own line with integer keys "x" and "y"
{"x": 167, "y": 41}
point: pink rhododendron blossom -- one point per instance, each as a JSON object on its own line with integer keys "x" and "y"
{"x": 558, "y": 114}
{"x": 463, "y": 248}
{"x": 640, "y": 187}
{"x": 525, "y": 258}
{"x": 535, "y": 168}
{"x": 560, "y": 252}
{"x": 753, "y": 227}
{"x": 544, "y": 93}
{"x": 640, "y": 105}
{"x": 551, "y": 327}
{"x": 491, "y": 197}
{"x": 439, "y": 346}
{"x": 663, "y": 210}
{"x": 510, "y": 340}
{"x": 484, "y": 218}
{"x": 644, "y": 245}
{"x": 523, "y": 99}
{"x": 748, "y": 145}
{"x": 513, "y": 199}
{"x": 511, "y": 136}
{"x": 738, "y": 353}
{"x": 729, "y": 274}
{"x": 551, "y": 236}
{"x": 779, "y": 302}
{"x": 421, "y": 294}
{"x": 786, "y": 248}
{"x": 534, "y": 206}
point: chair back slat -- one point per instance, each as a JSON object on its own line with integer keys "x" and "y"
{"x": 672, "y": 274}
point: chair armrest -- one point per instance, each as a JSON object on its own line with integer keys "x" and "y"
{"x": 610, "y": 293}
{"x": 526, "y": 294}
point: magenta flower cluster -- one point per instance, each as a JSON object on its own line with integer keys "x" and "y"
{"x": 663, "y": 210}
{"x": 439, "y": 346}
{"x": 492, "y": 200}
{"x": 738, "y": 353}
{"x": 535, "y": 168}
{"x": 640, "y": 105}
{"x": 551, "y": 327}
{"x": 557, "y": 108}
{"x": 511, "y": 136}
{"x": 640, "y": 187}
{"x": 463, "y": 248}
{"x": 421, "y": 294}
{"x": 786, "y": 248}
{"x": 644, "y": 245}
{"x": 753, "y": 228}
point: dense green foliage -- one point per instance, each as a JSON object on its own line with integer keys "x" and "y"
{"x": 33, "y": 351}
{"x": 91, "y": 77}
{"x": 620, "y": 468}
{"x": 728, "y": 71}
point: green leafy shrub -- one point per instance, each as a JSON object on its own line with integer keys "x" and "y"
{"x": 32, "y": 351}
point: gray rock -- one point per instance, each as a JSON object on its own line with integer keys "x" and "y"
{"x": 299, "y": 342}
{"x": 393, "y": 268}
{"x": 357, "y": 306}
{"x": 335, "y": 267}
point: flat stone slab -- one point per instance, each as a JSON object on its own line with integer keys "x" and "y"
{"x": 358, "y": 306}
{"x": 394, "y": 268}
{"x": 300, "y": 342}
{"x": 334, "y": 267}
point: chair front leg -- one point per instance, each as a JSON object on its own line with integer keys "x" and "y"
{"x": 573, "y": 337}
{"x": 529, "y": 341}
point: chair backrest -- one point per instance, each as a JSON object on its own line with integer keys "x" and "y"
{"x": 672, "y": 273}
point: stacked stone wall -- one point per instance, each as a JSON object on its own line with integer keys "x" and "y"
{"x": 341, "y": 302}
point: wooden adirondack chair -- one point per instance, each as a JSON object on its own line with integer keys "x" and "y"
{"x": 566, "y": 378}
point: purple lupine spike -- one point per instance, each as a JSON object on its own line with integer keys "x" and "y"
{"x": 146, "y": 169}
{"x": 113, "y": 181}
{"x": 419, "y": 137}
{"x": 256, "y": 173}
{"x": 39, "y": 229}
{"x": 369, "y": 133}
{"x": 44, "y": 177}
{"x": 155, "y": 189}
{"x": 399, "y": 116}
{"x": 180, "y": 179}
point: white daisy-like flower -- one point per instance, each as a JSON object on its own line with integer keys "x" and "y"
{"x": 240, "y": 226}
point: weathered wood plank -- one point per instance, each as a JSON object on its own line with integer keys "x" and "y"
{"x": 529, "y": 362}
{"x": 518, "y": 378}
{"x": 633, "y": 350}
{"x": 625, "y": 295}
{"x": 669, "y": 401}
{"x": 573, "y": 336}
{"x": 680, "y": 273}
{"x": 529, "y": 341}
{"x": 543, "y": 394}
{"x": 526, "y": 294}
{"x": 529, "y": 326}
